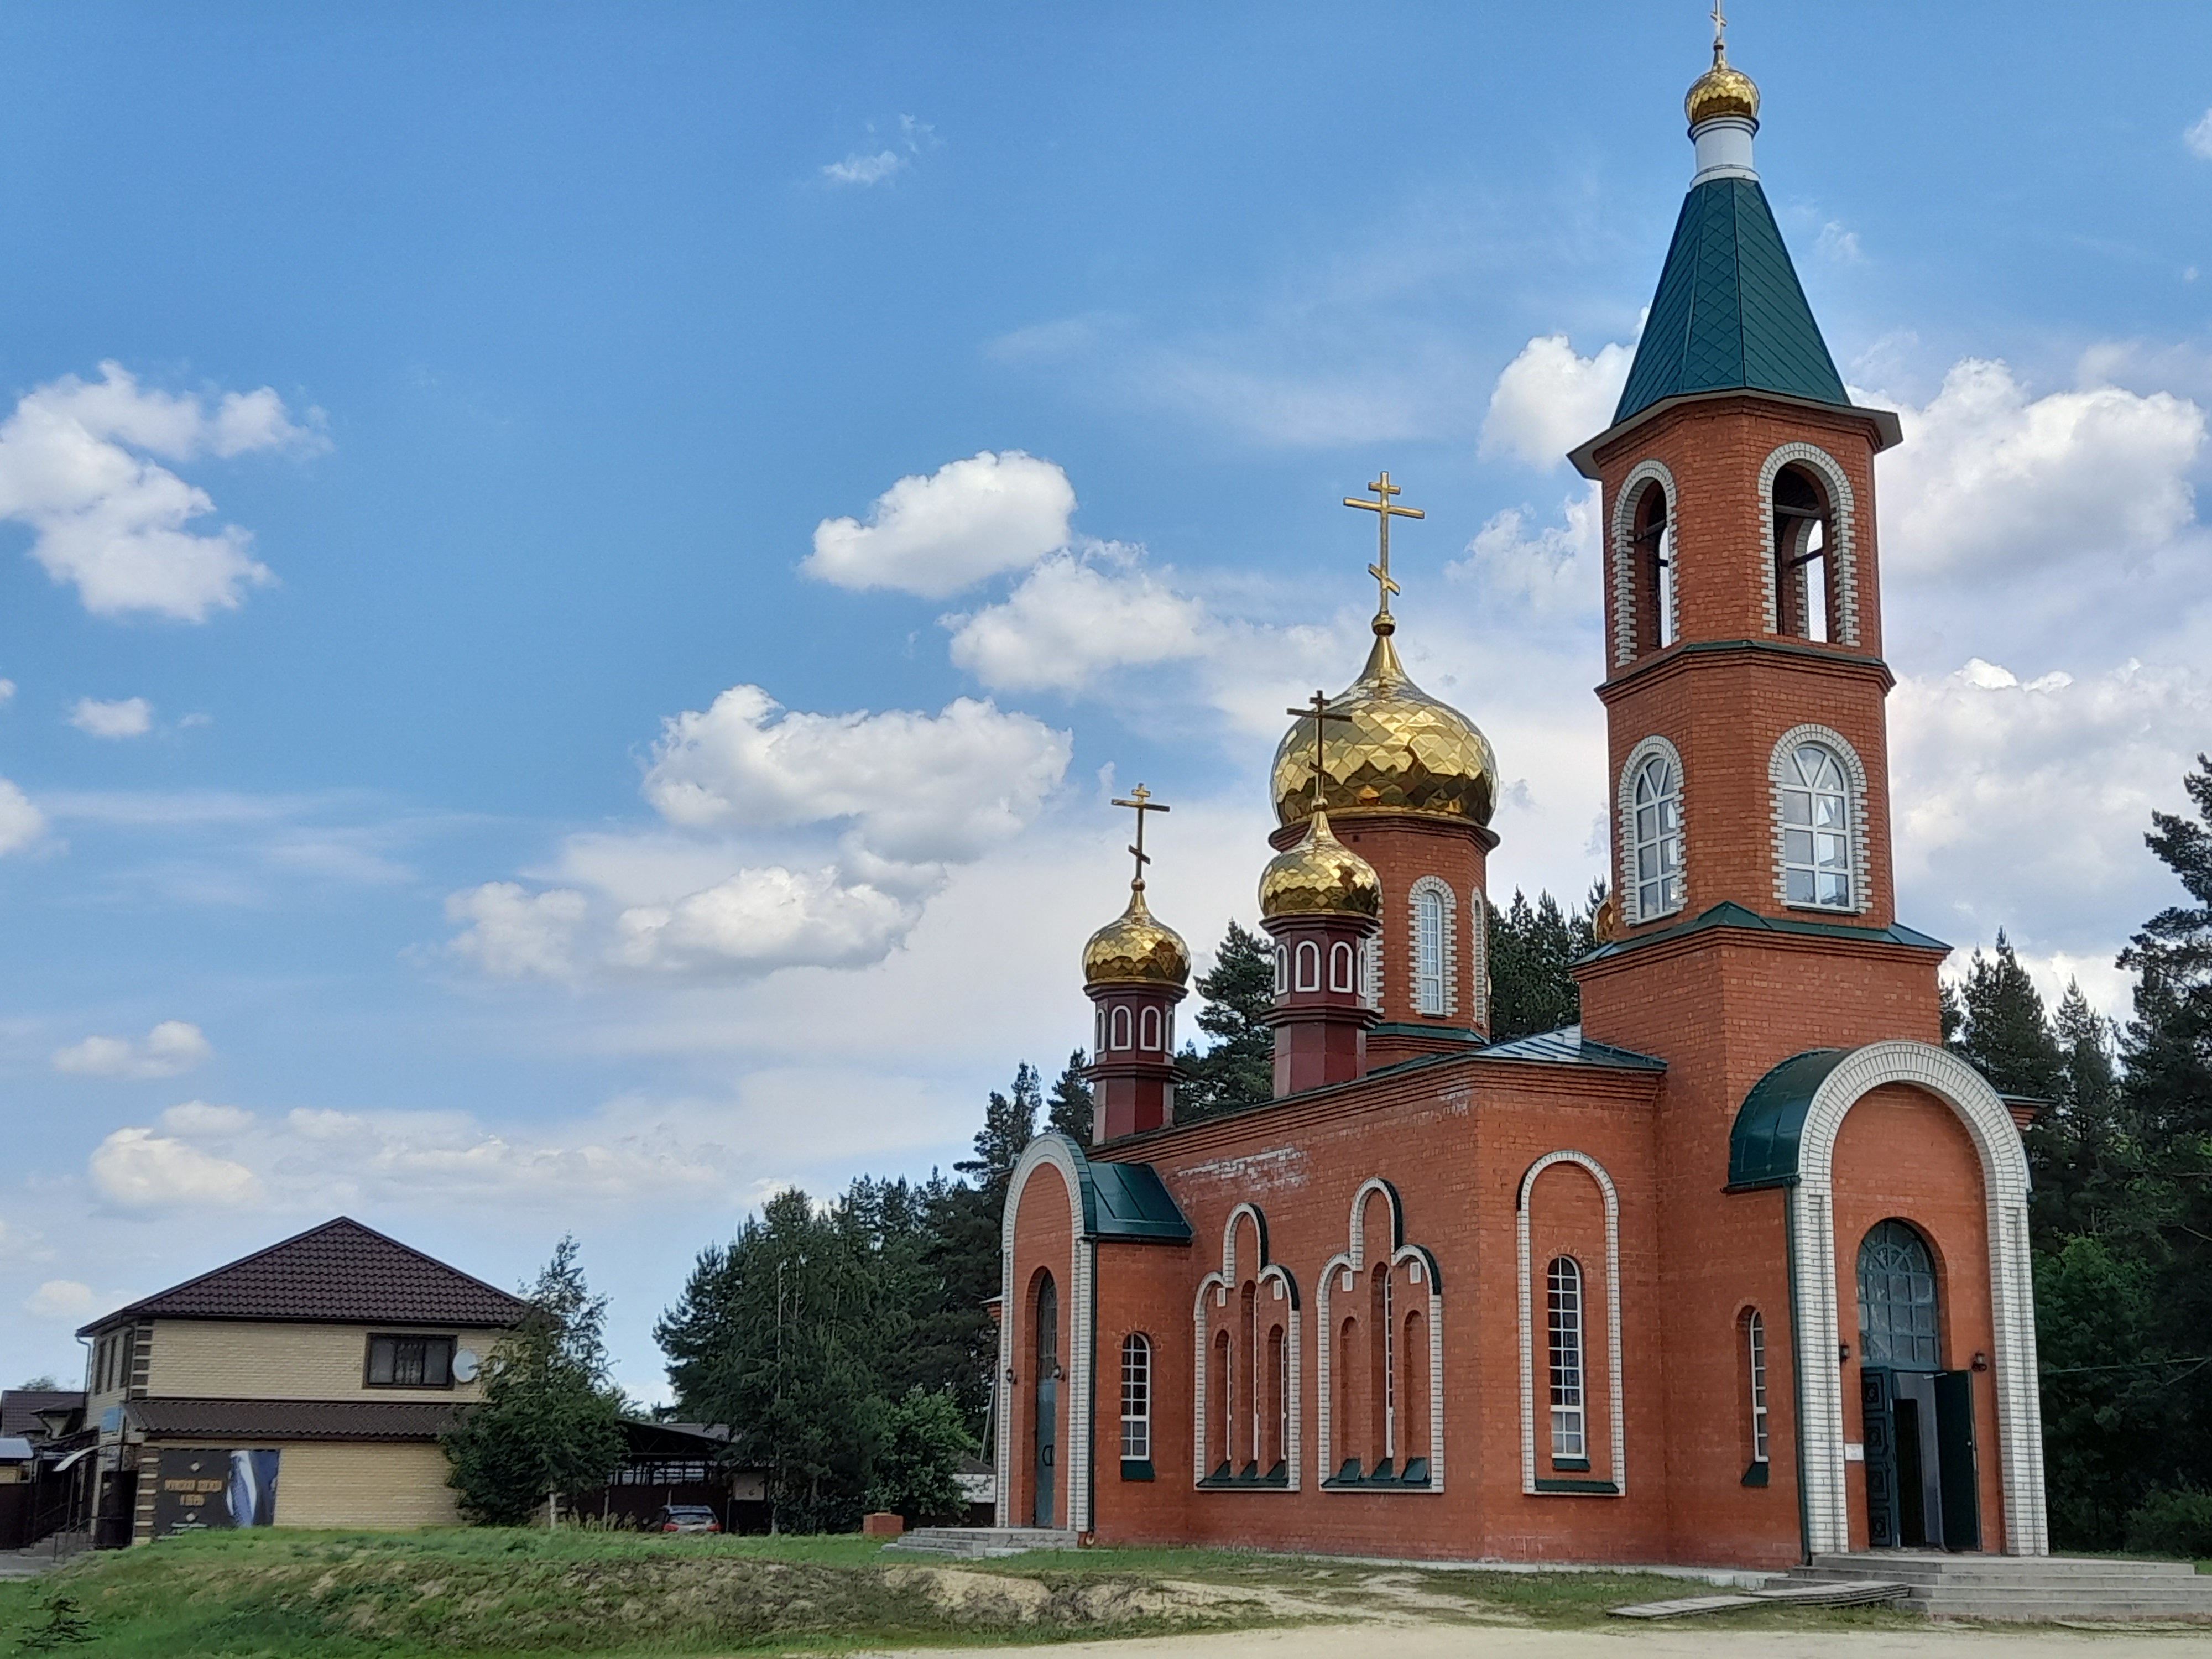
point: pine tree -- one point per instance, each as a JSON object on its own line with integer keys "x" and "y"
{"x": 2004, "y": 1032}
{"x": 1008, "y": 1125}
{"x": 1239, "y": 1069}
{"x": 1068, "y": 1108}
{"x": 1531, "y": 948}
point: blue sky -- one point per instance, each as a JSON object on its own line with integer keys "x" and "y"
{"x": 525, "y": 360}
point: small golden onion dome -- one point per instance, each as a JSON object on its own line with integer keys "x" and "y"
{"x": 1320, "y": 877}
{"x": 1723, "y": 89}
{"x": 1135, "y": 950}
{"x": 1403, "y": 751}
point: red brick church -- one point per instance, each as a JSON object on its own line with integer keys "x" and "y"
{"x": 1734, "y": 1272}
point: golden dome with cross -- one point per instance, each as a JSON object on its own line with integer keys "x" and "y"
{"x": 1723, "y": 89}
{"x": 1134, "y": 949}
{"x": 1385, "y": 745}
{"x": 1320, "y": 877}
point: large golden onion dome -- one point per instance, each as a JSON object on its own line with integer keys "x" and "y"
{"x": 1133, "y": 949}
{"x": 1320, "y": 877}
{"x": 1723, "y": 89}
{"x": 1403, "y": 751}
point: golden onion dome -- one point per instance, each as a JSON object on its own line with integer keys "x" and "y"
{"x": 1320, "y": 877}
{"x": 1723, "y": 89}
{"x": 1402, "y": 751}
{"x": 1135, "y": 950}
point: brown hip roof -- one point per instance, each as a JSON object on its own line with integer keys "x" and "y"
{"x": 238, "y": 1421}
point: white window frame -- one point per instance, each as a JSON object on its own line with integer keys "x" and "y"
{"x": 1782, "y": 778}
{"x": 1624, "y": 558}
{"x": 1309, "y": 965}
{"x": 1136, "y": 1398}
{"x": 1564, "y": 1356}
{"x": 1432, "y": 948}
{"x": 1754, "y": 1340}
{"x": 1119, "y": 1026}
{"x": 1843, "y": 537}
{"x": 1629, "y": 836}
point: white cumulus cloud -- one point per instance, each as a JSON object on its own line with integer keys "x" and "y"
{"x": 513, "y": 933}
{"x": 915, "y": 787}
{"x": 20, "y": 822}
{"x": 864, "y": 169}
{"x": 1549, "y": 398}
{"x": 769, "y": 918}
{"x": 60, "y": 1298}
{"x": 934, "y": 536}
{"x": 76, "y": 466}
{"x": 172, "y": 1046}
{"x": 2199, "y": 135}
{"x": 207, "y": 1120}
{"x": 1069, "y": 621}
{"x": 138, "y": 1169}
{"x": 123, "y": 717}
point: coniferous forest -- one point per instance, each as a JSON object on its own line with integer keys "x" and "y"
{"x": 849, "y": 1346}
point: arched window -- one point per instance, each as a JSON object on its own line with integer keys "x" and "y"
{"x": 1434, "y": 992}
{"x": 1816, "y": 829}
{"x": 1282, "y": 970}
{"x": 1136, "y": 1399}
{"x": 1564, "y": 1283}
{"x": 1309, "y": 965}
{"x": 1755, "y": 1349}
{"x": 1148, "y": 1031}
{"x": 1120, "y": 1028}
{"x": 1478, "y": 965}
{"x": 1898, "y": 1323}
{"x": 1653, "y": 549}
{"x": 1655, "y": 854}
{"x": 1804, "y": 572}
{"x": 1342, "y": 974}
{"x": 1277, "y": 1449}
{"x": 1225, "y": 1404}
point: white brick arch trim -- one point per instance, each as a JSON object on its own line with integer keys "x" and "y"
{"x": 1624, "y": 807}
{"x": 1353, "y": 1260}
{"x": 1079, "y": 1305}
{"x": 1268, "y": 1278}
{"x": 1855, "y": 778}
{"x": 1813, "y": 1248}
{"x": 1616, "y": 1414}
{"x": 1447, "y": 942}
{"x": 1842, "y": 522}
{"x": 1623, "y": 540}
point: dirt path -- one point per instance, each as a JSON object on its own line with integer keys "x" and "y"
{"x": 1688, "y": 1640}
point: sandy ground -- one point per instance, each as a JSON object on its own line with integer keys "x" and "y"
{"x": 1673, "y": 1641}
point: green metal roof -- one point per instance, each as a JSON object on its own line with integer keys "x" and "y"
{"x": 1568, "y": 1047}
{"x": 1728, "y": 914}
{"x": 1729, "y": 314}
{"x": 1763, "y": 1144}
{"x": 1129, "y": 1200}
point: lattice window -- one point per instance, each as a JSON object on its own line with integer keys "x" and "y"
{"x": 1136, "y": 1398}
{"x": 1816, "y": 829}
{"x": 1898, "y": 1322}
{"x": 1563, "y": 1283}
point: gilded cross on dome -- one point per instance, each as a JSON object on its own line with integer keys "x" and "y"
{"x": 1142, "y": 802}
{"x": 1720, "y": 32}
{"x": 1320, "y": 713}
{"x": 1384, "y": 510}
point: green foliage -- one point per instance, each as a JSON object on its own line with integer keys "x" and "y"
{"x": 1531, "y": 948}
{"x": 1068, "y": 1107}
{"x": 2002, "y": 1030}
{"x": 1008, "y": 1125}
{"x": 920, "y": 1438}
{"x": 44, "y": 1383}
{"x": 1239, "y": 1069}
{"x": 65, "y": 1625}
{"x": 2172, "y": 1522}
{"x": 549, "y": 1420}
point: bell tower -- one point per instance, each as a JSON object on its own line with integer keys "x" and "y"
{"x": 1744, "y": 686}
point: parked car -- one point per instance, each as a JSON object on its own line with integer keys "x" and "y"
{"x": 683, "y": 1517}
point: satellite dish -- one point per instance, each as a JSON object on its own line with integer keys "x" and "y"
{"x": 466, "y": 1365}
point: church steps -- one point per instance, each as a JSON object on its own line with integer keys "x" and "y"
{"x": 977, "y": 1543}
{"x": 2025, "y": 1587}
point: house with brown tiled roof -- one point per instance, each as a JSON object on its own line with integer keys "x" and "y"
{"x": 305, "y": 1385}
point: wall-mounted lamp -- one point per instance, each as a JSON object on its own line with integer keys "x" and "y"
{"x": 1981, "y": 1362}
{"x": 1843, "y": 1352}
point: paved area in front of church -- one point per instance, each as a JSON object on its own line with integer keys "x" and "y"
{"x": 1704, "y": 1640}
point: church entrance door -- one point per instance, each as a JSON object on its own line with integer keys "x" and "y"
{"x": 1918, "y": 1421}
{"x": 1044, "y": 1406}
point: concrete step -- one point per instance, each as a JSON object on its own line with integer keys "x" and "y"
{"x": 1899, "y": 1563}
{"x": 2025, "y": 1587}
{"x": 980, "y": 1542}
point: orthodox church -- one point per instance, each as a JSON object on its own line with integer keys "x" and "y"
{"x": 1736, "y": 1271}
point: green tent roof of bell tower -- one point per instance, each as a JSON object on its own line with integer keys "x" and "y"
{"x": 1730, "y": 314}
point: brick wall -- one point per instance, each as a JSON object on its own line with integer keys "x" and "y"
{"x": 253, "y": 1359}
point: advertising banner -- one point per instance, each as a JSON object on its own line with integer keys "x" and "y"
{"x": 200, "y": 1488}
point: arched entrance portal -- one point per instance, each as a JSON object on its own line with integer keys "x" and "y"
{"x": 1922, "y": 1487}
{"x": 1044, "y": 1406}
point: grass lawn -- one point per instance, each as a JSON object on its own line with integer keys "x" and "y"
{"x": 289, "y": 1595}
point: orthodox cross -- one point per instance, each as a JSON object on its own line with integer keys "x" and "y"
{"x": 1319, "y": 712}
{"x": 1384, "y": 510}
{"x": 1140, "y": 800}
{"x": 1720, "y": 28}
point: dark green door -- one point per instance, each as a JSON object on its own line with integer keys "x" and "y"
{"x": 1044, "y": 1403}
{"x": 1877, "y": 1410}
{"x": 1961, "y": 1477}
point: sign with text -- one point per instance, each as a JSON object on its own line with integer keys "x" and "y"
{"x": 197, "y": 1489}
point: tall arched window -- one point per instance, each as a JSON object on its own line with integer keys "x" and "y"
{"x": 1120, "y": 1028}
{"x": 1804, "y": 571}
{"x": 1148, "y": 1030}
{"x": 1755, "y": 1349}
{"x": 1898, "y": 1322}
{"x": 1816, "y": 829}
{"x": 1654, "y": 542}
{"x": 1655, "y": 858}
{"x": 1433, "y": 947}
{"x": 1343, "y": 967}
{"x": 1282, "y": 970}
{"x": 1136, "y": 1399}
{"x": 1564, "y": 1286}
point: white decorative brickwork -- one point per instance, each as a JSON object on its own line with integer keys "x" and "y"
{"x": 1526, "y": 1270}
{"x": 1813, "y": 1249}
{"x": 1351, "y": 1264}
{"x": 1081, "y": 1304}
{"x": 1478, "y": 942}
{"x": 1855, "y": 776}
{"x": 1274, "y": 1282}
{"x": 1446, "y": 963}
{"x": 1842, "y": 522}
{"x": 1624, "y": 557}
{"x": 1623, "y": 840}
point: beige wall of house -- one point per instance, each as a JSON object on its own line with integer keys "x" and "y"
{"x": 373, "y": 1486}
{"x": 258, "y": 1359}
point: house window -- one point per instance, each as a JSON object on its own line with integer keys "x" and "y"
{"x": 1136, "y": 1398}
{"x": 1816, "y": 829}
{"x": 1754, "y": 1343}
{"x": 1656, "y": 857}
{"x": 1564, "y": 1280}
{"x": 410, "y": 1362}
{"x": 1432, "y": 947}
{"x": 1898, "y": 1323}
